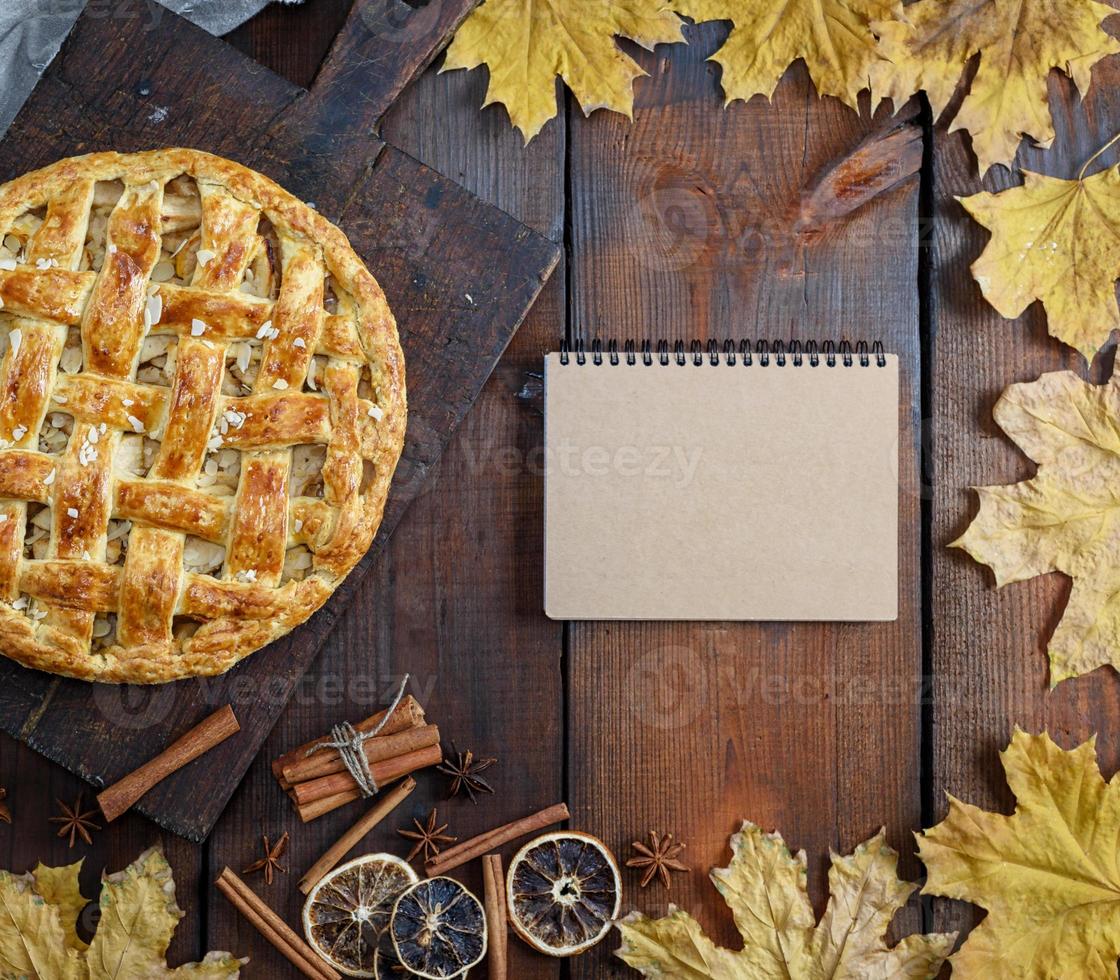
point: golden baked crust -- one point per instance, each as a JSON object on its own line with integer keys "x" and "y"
{"x": 183, "y": 341}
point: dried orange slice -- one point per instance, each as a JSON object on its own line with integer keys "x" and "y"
{"x": 438, "y": 929}
{"x": 563, "y": 891}
{"x": 347, "y": 911}
{"x": 387, "y": 966}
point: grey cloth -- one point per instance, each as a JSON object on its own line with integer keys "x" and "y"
{"x": 31, "y": 32}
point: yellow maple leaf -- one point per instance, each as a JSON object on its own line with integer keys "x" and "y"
{"x": 36, "y": 935}
{"x": 1048, "y": 875}
{"x": 59, "y": 887}
{"x": 833, "y": 37}
{"x": 1057, "y": 241}
{"x": 1064, "y": 519}
{"x": 526, "y": 44}
{"x": 765, "y": 889}
{"x": 38, "y": 940}
{"x": 1018, "y": 41}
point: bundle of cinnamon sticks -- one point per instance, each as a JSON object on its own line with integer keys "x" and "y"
{"x": 319, "y": 782}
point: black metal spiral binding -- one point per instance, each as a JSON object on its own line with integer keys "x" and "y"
{"x": 761, "y": 352}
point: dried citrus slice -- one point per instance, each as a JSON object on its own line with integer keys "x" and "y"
{"x": 348, "y": 910}
{"x": 387, "y": 966}
{"x": 438, "y": 929}
{"x": 563, "y": 890}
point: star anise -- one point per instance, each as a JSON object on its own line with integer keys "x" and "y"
{"x": 5, "y": 810}
{"x": 270, "y": 863}
{"x": 657, "y": 858}
{"x": 428, "y": 837}
{"x": 75, "y": 822}
{"x": 464, "y": 771}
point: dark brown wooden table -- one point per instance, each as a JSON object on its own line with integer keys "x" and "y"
{"x": 679, "y": 225}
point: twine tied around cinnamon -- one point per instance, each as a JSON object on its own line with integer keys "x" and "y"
{"x": 348, "y": 741}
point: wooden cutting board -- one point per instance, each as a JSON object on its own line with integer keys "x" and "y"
{"x": 459, "y": 275}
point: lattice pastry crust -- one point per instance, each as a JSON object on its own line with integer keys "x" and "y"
{"x": 202, "y": 404}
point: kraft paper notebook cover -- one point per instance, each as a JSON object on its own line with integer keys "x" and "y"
{"x": 747, "y": 482}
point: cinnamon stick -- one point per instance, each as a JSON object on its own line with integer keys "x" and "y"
{"x": 204, "y": 736}
{"x": 494, "y": 892}
{"x": 389, "y": 802}
{"x": 313, "y": 811}
{"x": 460, "y": 854}
{"x": 383, "y": 773}
{"x": 377, "y": 749}
{"x": 409, "y": 714}
{"x": 273, "y": 928}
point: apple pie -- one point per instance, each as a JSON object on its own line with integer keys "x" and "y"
{"x": 202, "y": 407}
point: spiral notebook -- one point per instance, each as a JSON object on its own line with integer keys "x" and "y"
{"x": 742, "y": 481}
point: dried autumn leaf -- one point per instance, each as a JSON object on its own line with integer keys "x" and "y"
{"x": 59, "y": 887}
{"x": 526, "y": 44}
{"x": 765, "y": 889}
{"x": 1057, "y": 241}
{"x": 38, "y": 913}
{"x": 1018, "y": 41}
{"x": 833, "y": 37}
{"x": 1047, "y": 875}
{"x": 1067, "y": 517}
{"x": 37, "y": 938}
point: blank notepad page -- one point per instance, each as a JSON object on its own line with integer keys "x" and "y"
{"x": 721, "y": 491}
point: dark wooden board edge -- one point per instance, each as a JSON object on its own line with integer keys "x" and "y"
{"x": 31, "y": 702}
{"x": 325, "y": 138}
{"x": 258, "y": 691}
